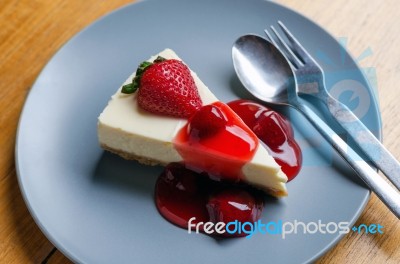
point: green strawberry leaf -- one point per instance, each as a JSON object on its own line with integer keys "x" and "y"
{"x": 134, "y": 85}
{"x": 128, "y": 88}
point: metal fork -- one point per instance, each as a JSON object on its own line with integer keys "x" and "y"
{"x": 311, "y": 81}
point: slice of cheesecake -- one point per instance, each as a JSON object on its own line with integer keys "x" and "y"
{"x": 126, "y": 129}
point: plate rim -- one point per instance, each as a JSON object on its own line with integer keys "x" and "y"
{"x": 69, "y": 254}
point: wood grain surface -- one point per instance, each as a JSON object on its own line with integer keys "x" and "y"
{"x": 31, "y": 31}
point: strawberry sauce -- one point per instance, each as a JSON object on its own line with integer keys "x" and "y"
{"x": 215, "y": 140}
{"x": 275, "y": 131}
{"x": 182, "y": 194}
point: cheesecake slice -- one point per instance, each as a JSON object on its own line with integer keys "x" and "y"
{"x": 126, "y": 129}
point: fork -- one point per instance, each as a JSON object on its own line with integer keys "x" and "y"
{"x": 311, "y": 81}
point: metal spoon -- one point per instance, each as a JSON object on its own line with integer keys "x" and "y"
{"x": 266, "y": 74}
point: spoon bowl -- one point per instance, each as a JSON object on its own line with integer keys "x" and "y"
{"x": 258, "y": 63}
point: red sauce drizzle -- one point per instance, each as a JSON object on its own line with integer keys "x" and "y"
{"x": 182, "y": 194}
{"x": 223, "y": 150}
{"x": 275, "y": 131}
{"x": 216, "y": 141}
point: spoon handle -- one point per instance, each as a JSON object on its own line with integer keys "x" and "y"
{"x": 378, "y": 185}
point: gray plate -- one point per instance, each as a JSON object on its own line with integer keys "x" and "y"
{"x": 98, "y": 208}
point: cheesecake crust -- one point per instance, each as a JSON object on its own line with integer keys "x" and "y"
{"x": 131, "y": 156}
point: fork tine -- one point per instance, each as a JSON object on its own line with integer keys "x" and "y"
{"x": 295, "y": 45}
{"x": 294, "y": 61}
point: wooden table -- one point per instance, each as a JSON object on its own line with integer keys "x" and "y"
{"x": 31, "y": 31}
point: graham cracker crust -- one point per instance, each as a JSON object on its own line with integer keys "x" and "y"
{"x": 129, "y": 156}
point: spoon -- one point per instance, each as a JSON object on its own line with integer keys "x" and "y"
{"x": 267, "y": 75}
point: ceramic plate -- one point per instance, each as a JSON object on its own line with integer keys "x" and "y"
{"x": 98, "y": 208}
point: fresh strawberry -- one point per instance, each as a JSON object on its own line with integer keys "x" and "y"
{"x": 166, "y": 87}
{"x": 206, "y": 122}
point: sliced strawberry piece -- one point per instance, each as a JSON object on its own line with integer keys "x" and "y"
{"x": 248, "y": 111}
{"x": 207, "y": 122}
{"x": 271, "y": 128}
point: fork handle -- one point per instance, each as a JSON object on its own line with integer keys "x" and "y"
{"x": 378, "y": 185}
{"x": 368, "y": 143}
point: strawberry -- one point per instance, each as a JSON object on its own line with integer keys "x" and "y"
{"x": 272, "y": 129}
{"x": 207, "y": 122}
{"x": 165, "y": 87}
